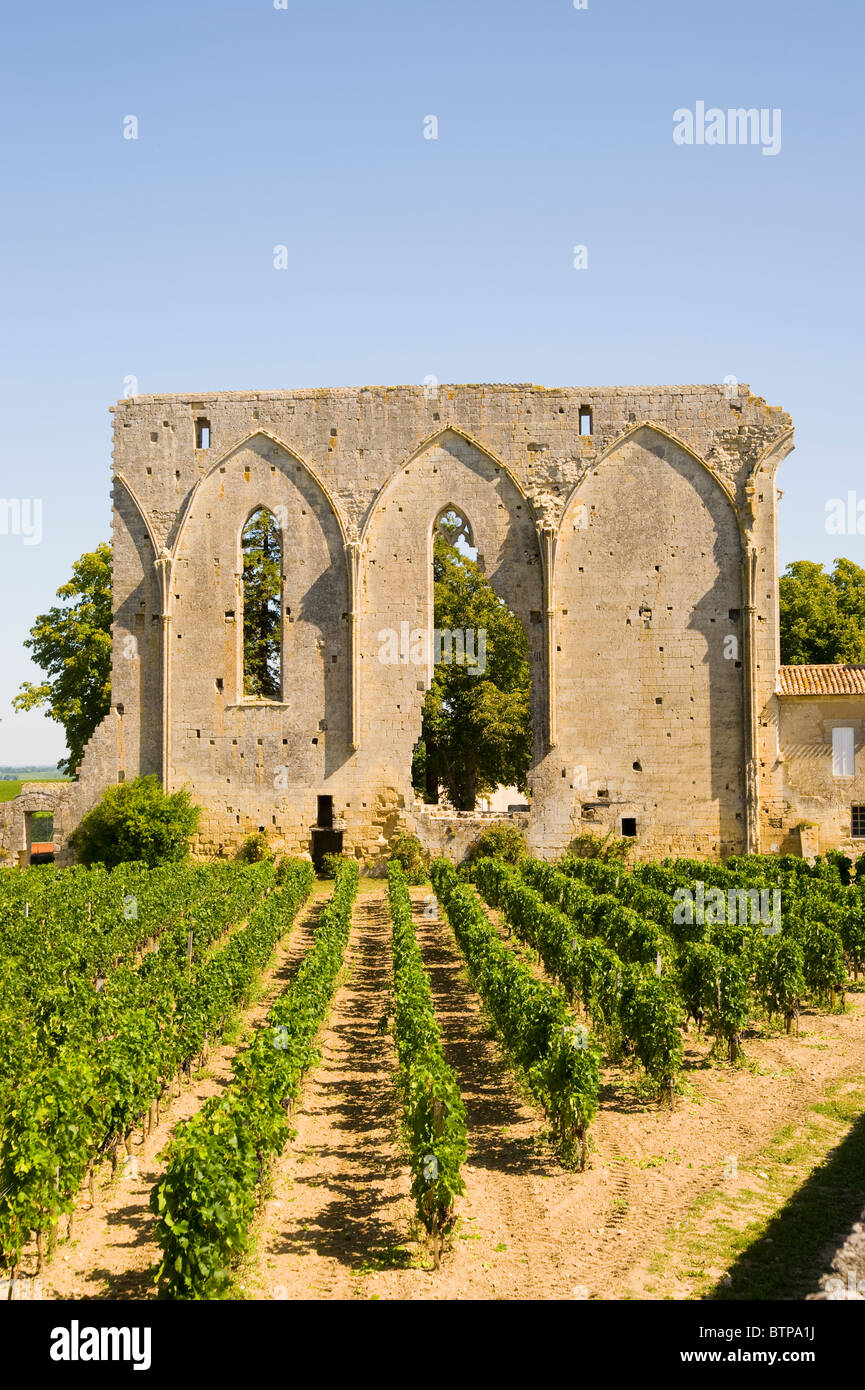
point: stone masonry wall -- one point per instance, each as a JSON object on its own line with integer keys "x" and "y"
{"x": 624, "y": 551}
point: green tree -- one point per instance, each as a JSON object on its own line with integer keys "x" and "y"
{"x": 477, "y": 726}
{"x": 262, "y": 604}
{"x": 72, "y": 645}
{"x": 136, "y": 821}
{"x": 822, "y": 615}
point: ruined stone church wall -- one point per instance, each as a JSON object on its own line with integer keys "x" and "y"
{"x": 580, "y": 534}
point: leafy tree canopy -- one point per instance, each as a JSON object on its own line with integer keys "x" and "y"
{"x": 822, "y": 615}
{"x": 136, "y": 821}
{"x": 72, "y": 645}
{"x": 262, "y": 590}
{"x": 477, "y": 727}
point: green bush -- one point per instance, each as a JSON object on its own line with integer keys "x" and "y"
{"x": 412, "y": 858}
{"x": 289, "y": 867}
{"x": 505, "y": 842}
{"x": 254, "y": 849}
{"x": 780, "y": 977}
{"x": 137, "y": 821}
{"x": 330, "y": 864}
{"x": 823, "y": 962}
{"x": 608, "y": 847}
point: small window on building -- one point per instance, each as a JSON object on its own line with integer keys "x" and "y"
{"x": 858, "y": 827}
{"x": 585, "y": 419}
{"x": 202, "y": 433}
{"x": 629, "y": 826}
{"x": 842, "y": 753}
{"x": 325, "y": 813}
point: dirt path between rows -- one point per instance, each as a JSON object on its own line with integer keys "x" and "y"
{"x": 112, "y": 1250}
{"x": 340, "y": 1192}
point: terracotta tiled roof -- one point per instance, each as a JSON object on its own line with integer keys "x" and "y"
{"x": 821, "y": 680}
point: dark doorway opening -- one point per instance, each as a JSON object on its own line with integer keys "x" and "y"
{"x": 325, "y": 840}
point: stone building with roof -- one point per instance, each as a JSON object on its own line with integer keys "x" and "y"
{"x": 819, "y": 772}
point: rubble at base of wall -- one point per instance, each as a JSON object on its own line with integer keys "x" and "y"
{"x": 443, "y": 831}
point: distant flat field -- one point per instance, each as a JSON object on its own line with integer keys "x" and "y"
{"x": 8, "y": 790}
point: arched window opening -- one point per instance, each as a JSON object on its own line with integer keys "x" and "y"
{"x": 476, "y": 732}
{"x": 455, "y": 529}
{"x": 261, "y": 550}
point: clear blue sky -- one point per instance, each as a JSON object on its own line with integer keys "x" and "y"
{"x": 408, "y": 256}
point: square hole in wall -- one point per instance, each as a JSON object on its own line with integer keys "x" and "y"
{"x": 629, "y": 827}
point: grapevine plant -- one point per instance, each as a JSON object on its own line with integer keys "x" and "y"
{"x": 434, "y": 1116}
{"x": 628, "y": 1004}
{"x": 218, "y": 1160}
{"x": 106, "y": 1051}
{"x": 559, "y": 1058}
